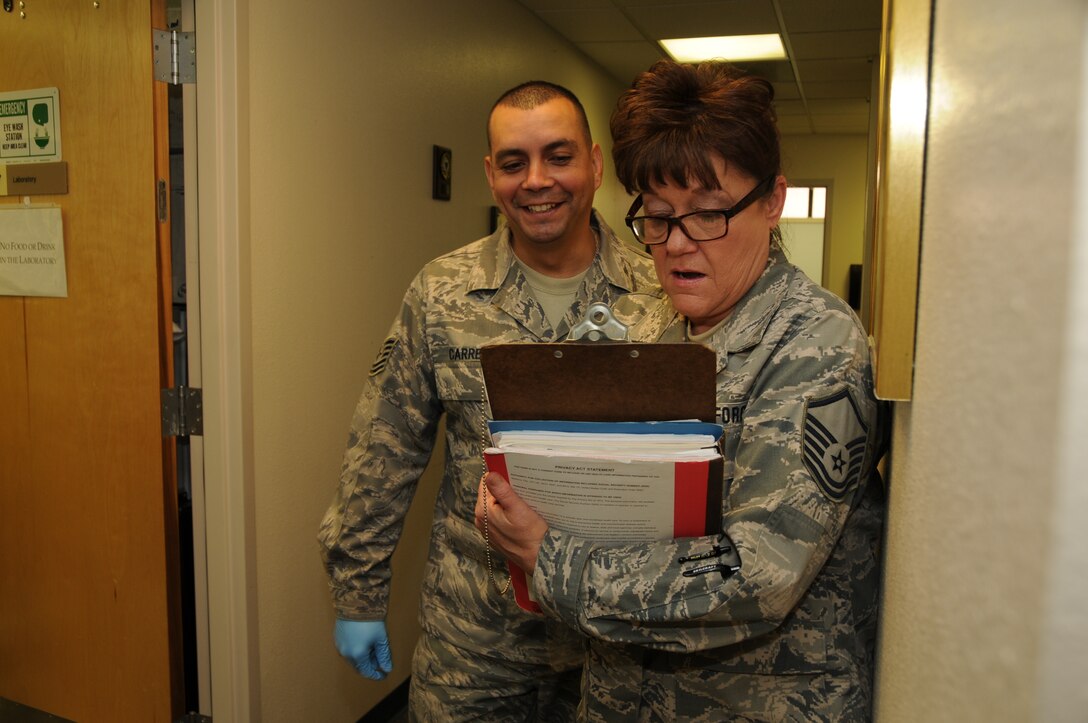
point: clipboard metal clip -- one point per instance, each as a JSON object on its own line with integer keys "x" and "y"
{"x": 598, "y": 325}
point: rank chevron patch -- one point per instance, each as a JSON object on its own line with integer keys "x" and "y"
{"x": 383, "y": 356}
{"x": 834, "y": 443}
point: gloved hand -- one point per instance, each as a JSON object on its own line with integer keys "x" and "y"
{"x": 366, "y": 645}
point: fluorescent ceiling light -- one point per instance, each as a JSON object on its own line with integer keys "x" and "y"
{"x": 726, "y": 47}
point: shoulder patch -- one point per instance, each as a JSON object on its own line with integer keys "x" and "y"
{"x": 383, "y": 356}
{"x": 834, "y": 443}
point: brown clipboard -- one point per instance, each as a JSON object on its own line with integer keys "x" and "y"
{"x": 600, "y": 381}
{"x": 603, "y": 381}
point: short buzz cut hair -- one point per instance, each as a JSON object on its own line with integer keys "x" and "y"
{"x": 532, "y": 93}
{"x": 675, "y": 117}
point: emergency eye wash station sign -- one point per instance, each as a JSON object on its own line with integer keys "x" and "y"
{"x": 29, "y": 132}
{"x": 31, "y": 236}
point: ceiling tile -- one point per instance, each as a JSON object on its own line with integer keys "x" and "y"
{"x": 833, "y": 43}
{"x": 853, "y": 123}
{"x": 853, "y": 89}
{"x": 794, "y": 125}
{"x": 773, "y": 70}
{"x": 805, "y": 16}
{"x": 739, "y": 17}
{"x": 651, "y": 3}
{"x": 845, "y": 44}
{"x": 831, "y": 70}
{"x": 789, "y": 107}
{"x": 540, "y": 5}
{"x": 581, "y": 26}
{"x": 786, "y": 91}
{"x": 842, "y": 106}
{"x": 623, "y": 60}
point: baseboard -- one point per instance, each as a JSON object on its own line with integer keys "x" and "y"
{"x": 13, "y": 712}
{"x": 391, "y": 705}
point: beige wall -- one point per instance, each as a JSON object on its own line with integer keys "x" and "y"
{"x": 345, "y": 101}
{"x": 983, "y": 618}
{"x": 839, "y": 160}
{"x": 985, "y": 595}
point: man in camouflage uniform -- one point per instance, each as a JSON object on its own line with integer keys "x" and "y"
{"x": 480, "y": 655}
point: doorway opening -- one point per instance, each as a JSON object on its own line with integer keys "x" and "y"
{"x": 185, "y": 316}
{"x": 804, "y": 228}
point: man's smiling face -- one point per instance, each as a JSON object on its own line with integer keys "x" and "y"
{"x": 543, "y": 172}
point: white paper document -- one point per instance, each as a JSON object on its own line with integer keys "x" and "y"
{"x": 32, "y": 252}
{"x": 611, "y": 482}
{"x": 604, "y": 500}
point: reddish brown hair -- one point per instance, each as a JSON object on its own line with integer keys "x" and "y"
{"x": 674, "y": 117}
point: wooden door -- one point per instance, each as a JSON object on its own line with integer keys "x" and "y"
{"x": 88, "y": 587}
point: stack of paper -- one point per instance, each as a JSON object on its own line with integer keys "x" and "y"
{"x": 610, "y": 482}
{"x": 623, "y": 441}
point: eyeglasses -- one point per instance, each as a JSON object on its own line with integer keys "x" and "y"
{"x": 697, "y": 225}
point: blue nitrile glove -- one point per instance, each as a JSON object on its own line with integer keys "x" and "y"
{"x": 366, "y": 645}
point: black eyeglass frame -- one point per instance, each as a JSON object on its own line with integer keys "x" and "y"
{"x": 674, "y": 221}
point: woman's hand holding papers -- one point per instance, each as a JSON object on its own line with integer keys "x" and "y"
{"x": 513, "y": 528}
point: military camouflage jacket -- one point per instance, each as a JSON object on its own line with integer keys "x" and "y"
{"x": 791, "y": 634}
{"x": 429, "y": 366}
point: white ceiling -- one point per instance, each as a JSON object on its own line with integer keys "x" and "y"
{"x": 833, "y": 47}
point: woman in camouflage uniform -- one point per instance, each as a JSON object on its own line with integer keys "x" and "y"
{"x": 774, "y": 618}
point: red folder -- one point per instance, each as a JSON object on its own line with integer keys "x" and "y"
{"x": 611, "y": 382}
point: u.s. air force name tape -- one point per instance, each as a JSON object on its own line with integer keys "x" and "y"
{"x": 834, "y": 443}
{"x": 383, "y": 356}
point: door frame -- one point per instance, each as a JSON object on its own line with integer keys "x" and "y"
{"x": 222, "y": 245}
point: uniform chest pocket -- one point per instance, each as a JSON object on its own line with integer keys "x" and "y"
{"x": 459, "y": 380}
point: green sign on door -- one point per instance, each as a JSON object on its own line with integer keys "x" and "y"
{"x": 30, "y": 126}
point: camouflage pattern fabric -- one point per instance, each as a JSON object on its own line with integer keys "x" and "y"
{"x": 791, "y": 635}
{"x": 429, "y": 366}
{"x": 453, "y": 684}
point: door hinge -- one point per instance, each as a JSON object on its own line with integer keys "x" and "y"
{"x": 175, "y": 56}
{"x": 195, "y": 718}
{"x": 182, "y": 412}
{"x": 160, "y": 199}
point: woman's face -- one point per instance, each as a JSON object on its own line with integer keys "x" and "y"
{"x": 706, "y": 279}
